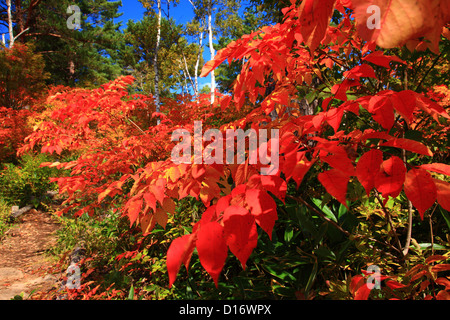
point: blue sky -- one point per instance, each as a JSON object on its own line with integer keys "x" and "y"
{"x": 132, "y": 9}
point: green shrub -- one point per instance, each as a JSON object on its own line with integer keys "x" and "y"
{"x": 4, "y": 217}
{"x": 27, "y": 182}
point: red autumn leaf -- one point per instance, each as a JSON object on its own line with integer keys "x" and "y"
{"x": 443, "y": 295}
{"x": 437, "y": 167}
{"x": 209, "y": 215}
{"x": 400, "y": 20}
{"x": 169, "y": 205}
{"x": 380, "y": 59}
{"x": 198, "y": 171}
{"x": 363, "y": 70}
{"x": 263, "y": 208}
{"x": 150, "y": 200}
{"x": 440, "y": 267}
{"x": 210, "y": 66}
{"x": 296, "y": 165}
{"x": 359, "y": 288}
{"x": 405, "y": 103}
{"x": 443, "y": 193}
{"x": 159, "y": 193}
{"x": 335, "y": 182}
{"x": 443, "y": 282}
{"x": 355, "y": 283}
{"x": 367, "y": 167}
{"x": 147, "y": 223}
{"x": 382, "y": 111}
{"x": 410, "y": 145}
{"x": 173, "y": 174}
{"x": 340, "y": 161}
{"x": 391, "y": 176}
{"x": 318, "y": 120}
{"x": 274, "y": 184}
{"x": 161, "y": 217}
{"x": 102, "y": 195}
{"x": 420, "y": 189}
{"x": 315, "y": 16}
{"x": 370, "y": 134}
{"x": 180, "y": 251}
{"x": 432, "y": 108}
{"x": 212, "y": 248}
{"x": 240, "y": 232}
{"x": 134, "y": 208}
{"x": 394, "y": 284}
{"x": 435, "y": 258}
{"x": 340, "y": 90}
{"x": 334, "y": 118}
{"x": 223, "y": 203}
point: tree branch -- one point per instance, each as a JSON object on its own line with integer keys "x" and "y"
{"x": 15, "y": 38}
{"x": 428, "y": 71}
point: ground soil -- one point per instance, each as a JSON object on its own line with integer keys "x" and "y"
{"x": 24, "y": 256}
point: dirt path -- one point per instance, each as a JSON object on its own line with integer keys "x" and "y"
{"x": 23, "y": 259}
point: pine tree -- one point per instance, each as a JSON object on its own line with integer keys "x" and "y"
{"x": 81, "y": 56}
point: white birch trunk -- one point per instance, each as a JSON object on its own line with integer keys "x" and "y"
{"x": 10, "y": 24}
{"x": 211, "y": 50}
{"x": 200, "y": 43}
{"x": 155, "y": 64}
{"x": 188, "y": 76}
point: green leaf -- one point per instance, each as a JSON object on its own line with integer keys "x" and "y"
{"x": 325, "y": 254}
{"x": 131, "y": 293}
{"x": 428, "y": 246}
{"x": 279, "y": 272}
{"x": 311, "y": 279}
{"x": 311, "y": 96}
{"x": 305, "y": 224}
{"x": 342, "y": 211}
{"x": 288, "y": 233}
{"x": 327, "y": 211}
{"x": 446, "y": 216}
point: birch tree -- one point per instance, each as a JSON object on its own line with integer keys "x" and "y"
{"x": 211, "y": 48}
{"x": 197, "y": 26}
{"x": 10, "y": 23}
{"x": 203, "y": 10}
{"x": 155, "y": 64}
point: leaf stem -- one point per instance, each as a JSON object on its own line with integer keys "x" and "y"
{"x": 388, "y": 217}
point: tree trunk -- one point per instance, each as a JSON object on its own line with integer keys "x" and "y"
{"x": 188, "y": 76}
{"x": 19, "y": 16}
{"x": 200, "y": 41}
{"x": 200, "y": 44}
{"x": 211, "y": 49}
{"x": 10, "y": 24}
{"x": 155, "y": 63}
